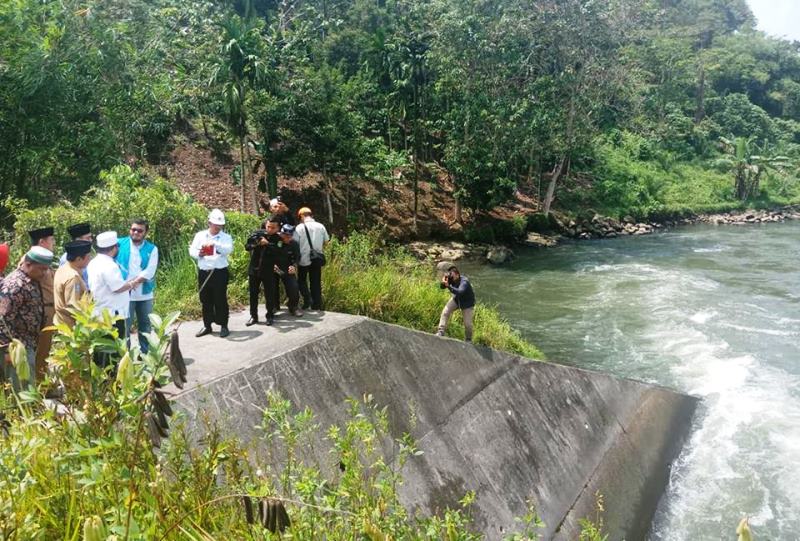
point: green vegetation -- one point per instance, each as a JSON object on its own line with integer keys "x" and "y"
{"x": 98, "y": 469}
{"x": 624, "y": 105}
{"x": 362, "y": 275}
{"x": 91, "y": 472}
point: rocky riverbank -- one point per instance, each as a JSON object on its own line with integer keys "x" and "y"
{"x": 604, "y": 227}
{"x": 596, "y": 227}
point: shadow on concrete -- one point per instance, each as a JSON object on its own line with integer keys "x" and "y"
{"x": 243, "y": 336}
{"x": 287, "y": 323}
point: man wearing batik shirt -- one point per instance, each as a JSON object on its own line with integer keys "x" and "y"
{"x": 22, "y": 308}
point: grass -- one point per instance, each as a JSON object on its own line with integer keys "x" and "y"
{"x": 392, "y": 286}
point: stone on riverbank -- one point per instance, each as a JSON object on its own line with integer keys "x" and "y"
{"x": 497, "y": 255}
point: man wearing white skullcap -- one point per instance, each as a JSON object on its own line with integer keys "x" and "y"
{"x": 211, "y": 248}
{"x": 108, "y": 287}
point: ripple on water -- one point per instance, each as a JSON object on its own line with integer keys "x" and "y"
{"x": 656, "y": 309}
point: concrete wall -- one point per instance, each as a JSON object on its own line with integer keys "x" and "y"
{"x": 510, "y": 429}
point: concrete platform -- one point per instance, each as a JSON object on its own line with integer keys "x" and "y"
{"x": 511, "y": 429}
{"x": 211, "y": 357}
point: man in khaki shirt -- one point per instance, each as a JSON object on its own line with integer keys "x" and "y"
{"x": 68, "y": 284}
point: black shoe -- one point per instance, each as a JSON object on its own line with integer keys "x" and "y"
{"x": 297, "y": 312}
{"x": 306, "y": 305}
{"x": 251, "y": 321}
{"x": 224, "y": 332}
{"x": 270, "y": 320}
{"x": 204, "y": 331}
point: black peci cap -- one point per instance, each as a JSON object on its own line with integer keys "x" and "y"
{"x": 79, "y": 230}
{"x": 77, "y": 248}
{"x": 38, "y": 234}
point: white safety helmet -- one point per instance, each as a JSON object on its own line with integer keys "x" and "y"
{"x": 216, "y": 217}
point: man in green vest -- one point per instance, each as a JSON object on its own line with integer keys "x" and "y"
{"x": 138, "y": 260}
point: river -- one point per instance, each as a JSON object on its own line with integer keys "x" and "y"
{"x": 711, "y": 311}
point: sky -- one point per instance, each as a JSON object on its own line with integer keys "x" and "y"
{"x": 778, "y": 17}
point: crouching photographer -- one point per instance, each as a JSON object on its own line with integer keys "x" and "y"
{"x": 463, "y": 299}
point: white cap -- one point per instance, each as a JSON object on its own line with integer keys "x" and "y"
{"x": 273, "y": 202}
{"x": 216, "y": 217}
{"x": 107, "y": 239}
{"x": 40, "y": 255}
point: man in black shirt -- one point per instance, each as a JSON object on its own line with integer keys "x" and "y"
{"x": 262, "y": 245}
{"x": 288, "y": 260}
{"x": 463, "y": 299}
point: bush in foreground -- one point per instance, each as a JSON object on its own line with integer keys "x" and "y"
{"x": 91, "y": 471}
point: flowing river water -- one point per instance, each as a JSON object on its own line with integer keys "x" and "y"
{"x": 710, "y": 311}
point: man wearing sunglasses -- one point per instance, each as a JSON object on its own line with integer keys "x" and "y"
{"x": 138, "y": 260}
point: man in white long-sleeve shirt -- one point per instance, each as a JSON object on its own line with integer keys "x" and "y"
{"x": 109, "y": 289}
{"x": 211, "y": 248}
{"x": 138, "y": 258}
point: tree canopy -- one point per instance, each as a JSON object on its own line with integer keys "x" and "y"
{"x": 497, "y": 94}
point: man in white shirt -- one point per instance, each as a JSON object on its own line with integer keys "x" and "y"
{"x": 138, "y": 258}
{"x": 211, "y": 248}
{"x": 109, "y": 289}
{"x": 310, "y": 234}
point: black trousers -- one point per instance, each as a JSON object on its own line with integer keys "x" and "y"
{"x": 102, "y": 358}
{"x": 255, "y": 283}
{"x": 292, "y": 292}
{"x": 214, "y": 296}
{"x": 312, "y": 298}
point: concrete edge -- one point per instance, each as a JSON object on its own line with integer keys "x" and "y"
{"x": 247, "y": 363}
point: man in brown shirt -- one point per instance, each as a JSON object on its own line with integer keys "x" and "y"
{"x": 44, "y": 238}
{"x": 68, "y": 284}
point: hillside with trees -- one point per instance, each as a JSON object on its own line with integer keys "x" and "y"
{"x": 624, "y": 107}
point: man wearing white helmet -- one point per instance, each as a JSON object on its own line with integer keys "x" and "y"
{"x": 211, "y": 248}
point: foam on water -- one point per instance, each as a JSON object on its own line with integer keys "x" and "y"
{"x": 725, "y": 329}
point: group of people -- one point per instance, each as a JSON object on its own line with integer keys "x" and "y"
{"x": 43, "y": 290}
{"x": 282, "y": 252}
{"x": 120, "y": 278}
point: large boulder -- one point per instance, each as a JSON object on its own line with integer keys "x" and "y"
{"x": 452, "y": 254}
{"x": 497, "y": 255}
{"x": 535, "y": 240}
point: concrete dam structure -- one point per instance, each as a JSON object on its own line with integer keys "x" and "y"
{"x": 511, "y": 429}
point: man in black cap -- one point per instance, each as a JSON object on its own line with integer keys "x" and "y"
{"x": 286, "y": 268}
{"x": 81, "y": 231}
{"x": 44, "y": 238}
{"x": 68, "y": 285}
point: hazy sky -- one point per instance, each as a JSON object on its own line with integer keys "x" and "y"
{"x": 778, "y": 17}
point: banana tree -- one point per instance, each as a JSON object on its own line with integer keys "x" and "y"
{"x": 748, "y": 163}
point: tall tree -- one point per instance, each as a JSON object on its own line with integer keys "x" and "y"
{"x": 239, "y": 70}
